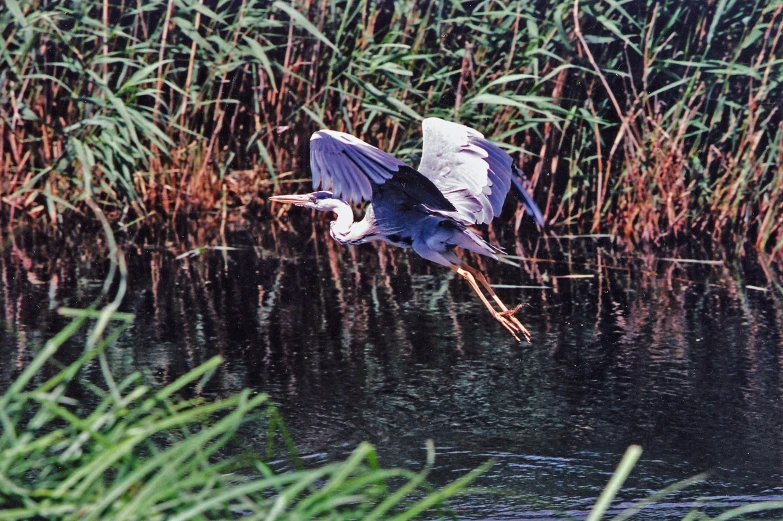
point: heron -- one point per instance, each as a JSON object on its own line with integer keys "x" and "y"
{"x": 462, "y": 180}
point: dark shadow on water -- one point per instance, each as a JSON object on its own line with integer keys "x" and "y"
{"x": 372, "y": 343}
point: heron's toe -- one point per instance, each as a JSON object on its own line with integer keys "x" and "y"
{"x": 510, "y": 313}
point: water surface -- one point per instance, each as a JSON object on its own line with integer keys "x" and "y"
{"x": 372, "y": 343}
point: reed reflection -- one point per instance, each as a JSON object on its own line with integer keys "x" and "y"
{"x": 371, "y": 343}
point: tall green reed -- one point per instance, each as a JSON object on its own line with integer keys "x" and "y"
{"x": 649, "y": 120}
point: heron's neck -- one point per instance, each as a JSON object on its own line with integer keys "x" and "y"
{"x": 344, "y": 217}
{"x": 347, "y": 231}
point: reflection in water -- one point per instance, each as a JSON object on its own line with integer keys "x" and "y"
{"x": 372, "y": 343}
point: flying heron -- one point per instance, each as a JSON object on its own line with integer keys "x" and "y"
{"x": 462, "y": 180}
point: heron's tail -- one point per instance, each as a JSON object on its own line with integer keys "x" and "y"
{"x": 518, "y": 181}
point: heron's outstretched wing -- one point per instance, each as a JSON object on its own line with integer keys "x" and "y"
{"x": 354, "y": 170}
{"x": 473, "y": 173}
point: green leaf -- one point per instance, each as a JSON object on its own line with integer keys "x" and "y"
{"x": 388, "y": 99}
{"x": 509, "y": 78}
{"x": 16, "y": 12}
{"x": 304, "y": 23}
{"x": 255, "y": 49}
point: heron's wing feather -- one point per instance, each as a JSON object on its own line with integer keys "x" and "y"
{"x": 354, "y": 170}
{"x": 518, "y": 181}
{"x": 473, "y": 173}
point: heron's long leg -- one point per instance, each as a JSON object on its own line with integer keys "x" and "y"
{"x": 484, "y": 282}
{"x": 505, "y": 311}
{"x": 501, "y": 317}
{"x": 449, "y": 259}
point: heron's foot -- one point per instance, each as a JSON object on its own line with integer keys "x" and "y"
{"x": 505, "y": 316}
{"x": 510, "y": 322}
{"x": 511, "y": 312}
{"x": 508, "y": 316}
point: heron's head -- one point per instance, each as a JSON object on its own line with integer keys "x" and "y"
{"x": 323, "y": 201}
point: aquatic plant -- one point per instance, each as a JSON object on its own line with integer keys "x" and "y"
{"x": 648, "y": 121}
{"x": 123, "y": 450}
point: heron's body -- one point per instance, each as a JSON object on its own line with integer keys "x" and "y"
{"x": 396, "y": 219}
{"x": 462, "y": 180}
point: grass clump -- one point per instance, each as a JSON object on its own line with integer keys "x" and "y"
{"x": 125, "y": 451}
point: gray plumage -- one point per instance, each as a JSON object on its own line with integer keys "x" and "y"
{"x": 472, "y": 173}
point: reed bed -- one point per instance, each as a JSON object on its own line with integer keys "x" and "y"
{"x": 651, "y": 121}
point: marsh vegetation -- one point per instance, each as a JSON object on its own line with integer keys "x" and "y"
{"x": 647, "y": 120}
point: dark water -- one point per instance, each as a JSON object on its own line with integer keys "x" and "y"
{"x": 371, "y": 343}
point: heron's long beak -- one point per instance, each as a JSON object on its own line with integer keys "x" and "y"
{"x": 298, "y": 200}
